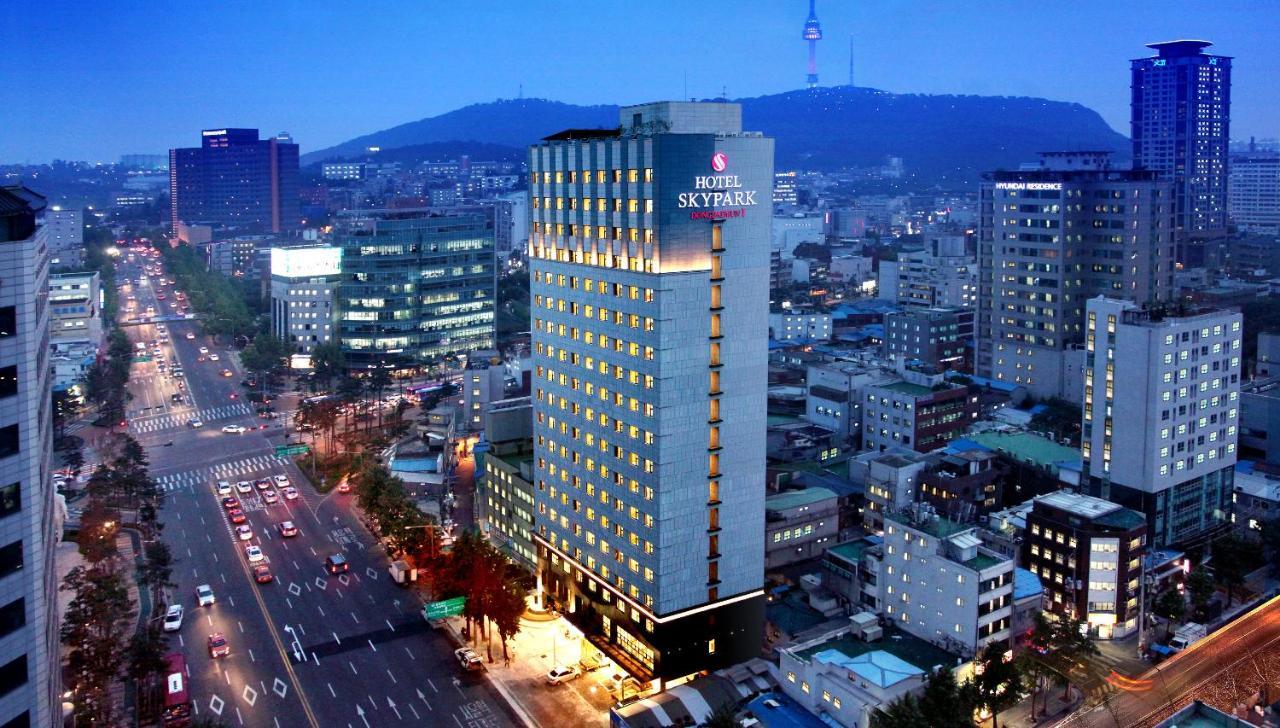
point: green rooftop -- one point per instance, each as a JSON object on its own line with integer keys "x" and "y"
{"x": 940, "y": 528}
{"x": 907, "y": 388}
{"x": 852, "y": 551}
{"x": 900, "y": 644}
{"x": 1027, "y": 448}
{"x": 774, "y": 420}
{"x": 983, "y": 561}
{"x": 788, "y": 499}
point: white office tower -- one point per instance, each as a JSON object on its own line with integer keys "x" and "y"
{"x": 30, "y": 679}
{"x": 1161, "y": 410}
{"x": 649, "y": 250}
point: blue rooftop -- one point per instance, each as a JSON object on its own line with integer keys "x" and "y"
{"x": 1025, "y": 584}
{"x": 878, "y": 666}
{"x": 964, "y": 444}
{"x": 995, "y": 384}
{"x": 787, "y": 713}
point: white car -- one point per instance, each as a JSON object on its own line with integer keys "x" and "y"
{"x": 562, "y": 674}
{"x": 243, "y": 532}
{"x": 254, "y": 554}
{"x": 173, "y": 618}
{"x": 200, "y": 423}
{"x": 190, "y": 336}
{"x": 234, "y": 429}
{"x": 224, "y": 488}
{"x": 289, "y": 493}
{"x": 204, "y": 595}
{"x": 213, "y": 357}
{"x": 204, "y": 350}
{"x": 244, "y": 486}
{"x": 281, "y": 480}
{"x": 269, "y": 497}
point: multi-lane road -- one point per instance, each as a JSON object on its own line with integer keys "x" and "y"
{"x": 309, "y": 648}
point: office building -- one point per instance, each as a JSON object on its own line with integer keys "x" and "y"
{"x": 1052, "y": 237}
{"x": 30, "y": 657}
{"x": 939, "y": 582}
{"x": 236, "y": 180}
{"x": 798, "y": 326}
{"x": 918, "y": 411}
{"x": 937, "y": 337}
{"x": 66, "y": 236}
{"x": 75, "y": 300}
{"x": 416, "y": 286}
{"x": 649, "y": 249}
{"x": 1161, "y": 412}
{"x": 1253, "y": 192}
{"x": 799, "y": 525}
{"x": 342, "y": 171}
{"x": 304, "y": 284}
{"x": 940, "y": 274}
{"x": 504, "y": 486}
{"x": 1088, "y": 554}
{"x": 1180, "y": 124}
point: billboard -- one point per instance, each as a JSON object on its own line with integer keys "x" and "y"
{"x": 306, "y": 262}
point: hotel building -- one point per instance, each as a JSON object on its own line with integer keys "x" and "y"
{"x": 649, "y": 250}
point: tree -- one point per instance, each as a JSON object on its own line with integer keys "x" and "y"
{"x": 944, "y": 702}
{"x": 722, "y": 717}
{"x": 92, "y": 628}
{"x": 901, "y": 713}
{"x": 1171, "y": 605}
{"x": 146, "y": 666}
{"x": 1233, "y": 558}
{"x": 1073, "y": 644}
{"x": 997, "y": 684}
{"x": 1200, "y": 588}
{"x": 328, "y": 362}
{"x": 1270, "y": 535}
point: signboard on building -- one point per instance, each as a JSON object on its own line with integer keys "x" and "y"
{"x": 306, "y": 262}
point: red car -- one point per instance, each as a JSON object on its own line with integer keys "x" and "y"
{"x": 230, "y": 502}
{"x": 218, "y": 646}
{"x": 262, "y": 574}
{"x": 237, "y": 515}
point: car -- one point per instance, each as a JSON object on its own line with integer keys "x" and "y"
{"x": 233, "y": 429}
{"x": 287, "y": 529}
{"x": 269, "y": 497}
{"x": 344, "y": 487}
{"x": 262, "y": 483}
{"x": 244, "y": 533}
{"x": 289, "y": 492}
{"x": 200, "y": 358}
{"x": 204, "y": 595}
{"x": 196, "y": 422}
{"x": 281, "y": 480}
{"x": 213, "y": 357}
{"x": 244, "y": 486}
{"x": 224, "y": 488}
{"x": 190, "y": 336}
{"x": 262, "y": 574}
{"x": 253, "y": 554}
{"x": 468, "y": 659}
{"x": 173, "y": 618}
{"x": 204, "y": 350}
{"x": 160, "y": 327}
{"x": 336, "y": 564}
{"x": 230, "y": 502}
{"x": 218, "y": 645}
{"x": 175, "y": 397}
{"x": 236, "y": 515}
{"x": 227, "y": 373}
{"x": 562, "y": 674}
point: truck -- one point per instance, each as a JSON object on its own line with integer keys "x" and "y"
{"x": 1186, "y": 635}
{"x": 402, "y": 573}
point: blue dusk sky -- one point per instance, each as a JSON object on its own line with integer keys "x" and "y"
{"x": 90, "y": 80}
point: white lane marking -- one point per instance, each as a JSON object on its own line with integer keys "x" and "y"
{"x": 232, "y": 600}
{"x": 433, "y": 686}
{"x": 390, "y": 625}
{"x": 240, "y": 625}
{"x": 251, "y": 657}
{"x": 287, "y": 601}
{"x": 335, "y": 637}
{"x": 375, "y": 649}
{"x": 181, "y": 642}
{"x": 353, "y": 667}
{"x": 317, "y": 659}
{"x": 331, "y": 690}
{"x": 321, "y": 610}
{"x": 393, "y": 676}
{"x": 354, "y": 617}
{"x": 409, "y": 653}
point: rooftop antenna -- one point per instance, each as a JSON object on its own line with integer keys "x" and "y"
{"x": 685, "y": 76}
{"x": 851, "y": 59}
{"x": 521, "y": 96}
{"x": 724, "y": 92}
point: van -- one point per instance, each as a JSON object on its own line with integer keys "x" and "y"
{"x": 336, "y": 564}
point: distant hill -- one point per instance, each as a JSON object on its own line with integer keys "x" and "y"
{"x": 947, "y": 140}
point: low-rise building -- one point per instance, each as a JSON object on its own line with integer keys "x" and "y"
{"x": 891, "y": 481}
{"x": 834, "y": 397}
{"x": 504, "y": 482}
{"x": 75, "y": 302}
{"x": 799, "y": 524}
{"x": 844, "y": 676}
{"x": 939, "y": 582}
{"x": 937, "y": 337}
{"x": 1255, "y": 500}
{"x": 1088, "y": 554}
{"x": 964, "y": 485}
{"x": 922, "y": 412}
{"x": 798, "y": 326}
{"x": 483, "y": 381}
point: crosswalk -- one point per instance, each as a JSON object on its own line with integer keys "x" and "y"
{"x": 242, "y": 469}
{"x": 181, "y": 418}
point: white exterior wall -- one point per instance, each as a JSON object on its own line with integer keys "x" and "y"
{"x": 800, "y": 326}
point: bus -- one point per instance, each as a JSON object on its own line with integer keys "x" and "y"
{"x": 177, "y": 702}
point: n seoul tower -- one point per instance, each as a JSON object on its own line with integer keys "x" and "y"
{"x": 813, "y": 34}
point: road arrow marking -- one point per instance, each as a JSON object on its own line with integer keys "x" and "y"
{"x": 392, "y": 703}
{"x": 360, "y": 712}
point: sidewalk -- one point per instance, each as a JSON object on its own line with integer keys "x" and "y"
{"x": 1019, "y": 716}
{"x": 538, "y": 647}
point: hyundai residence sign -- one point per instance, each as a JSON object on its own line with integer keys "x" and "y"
{"x": 717, "y": 191}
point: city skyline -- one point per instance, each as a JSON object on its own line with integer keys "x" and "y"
{"x": 754, "y": 51}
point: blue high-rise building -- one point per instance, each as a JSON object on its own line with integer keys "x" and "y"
{"x": 1180, "y": 124}
{"x": 237, "y": 180}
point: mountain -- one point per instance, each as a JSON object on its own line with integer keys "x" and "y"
{"x": 947, "y": 140}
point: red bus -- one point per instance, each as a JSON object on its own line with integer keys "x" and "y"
{"x": 177, "y": 702}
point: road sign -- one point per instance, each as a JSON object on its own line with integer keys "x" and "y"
{"x": 141, "y": 359}
{"x": 446, "y": 608}
{"x": 287, "y": 450}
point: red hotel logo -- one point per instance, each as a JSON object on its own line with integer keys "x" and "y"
{"x": 719, "y": 161}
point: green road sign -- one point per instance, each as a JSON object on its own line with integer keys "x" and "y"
{"x": 446, "y": 608}
{"x": 287, "y": 450}
{"x": 140, "y": 359}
